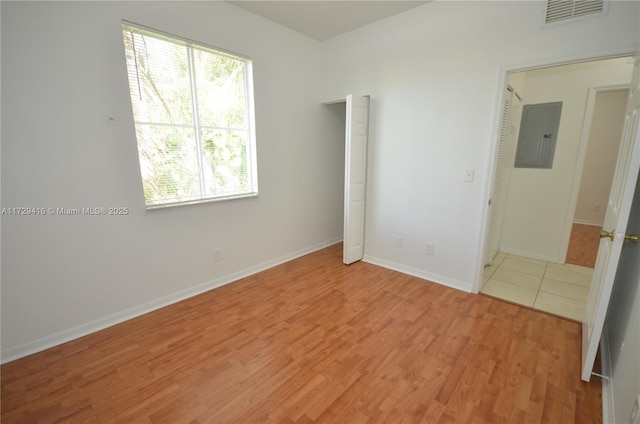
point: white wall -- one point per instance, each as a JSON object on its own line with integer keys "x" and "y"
{"x": 539, "y": 203}
{"x": 435, "y": 76}
{"x": 63, "y": 76}
{"x": 600, "y": 159}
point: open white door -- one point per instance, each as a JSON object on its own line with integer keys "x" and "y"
{"x": 355, "y": 177}
{"x": 615, "y": 223}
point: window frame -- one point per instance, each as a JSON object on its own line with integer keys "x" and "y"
{"x": 250, "y": 154}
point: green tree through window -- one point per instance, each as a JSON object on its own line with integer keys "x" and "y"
{"x": 193, "y": 113}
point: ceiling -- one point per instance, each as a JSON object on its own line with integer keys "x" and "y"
{"x": 322, "y": 20}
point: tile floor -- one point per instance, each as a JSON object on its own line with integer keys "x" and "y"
{"x": 549, "y": 287}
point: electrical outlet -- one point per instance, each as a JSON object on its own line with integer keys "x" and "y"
{"x": 428, "y": 248}
{"x": 217, "y": 255}
{"x": 468, "y": 174}
{"x": 634, "y": 418}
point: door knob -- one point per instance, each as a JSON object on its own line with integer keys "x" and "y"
{"x": 611, "y": 234}
{"x": 605, "y": 234}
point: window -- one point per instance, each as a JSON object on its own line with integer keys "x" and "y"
{"x": 193, "y": 113}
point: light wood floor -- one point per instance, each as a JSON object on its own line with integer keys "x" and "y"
{"x": 314, "y": 341}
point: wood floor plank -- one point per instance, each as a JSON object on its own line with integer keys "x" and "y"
{"x": 314, "y": 341}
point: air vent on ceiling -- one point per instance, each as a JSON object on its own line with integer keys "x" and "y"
{"x": 562, "y": 10}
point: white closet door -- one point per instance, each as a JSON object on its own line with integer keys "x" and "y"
{"x": 509, "y": 125}
{"x": 355, "y": 187}
{"x": 495, "y": 225}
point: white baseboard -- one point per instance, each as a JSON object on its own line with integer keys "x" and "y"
{"x": 439, "y": 279}
{"x": 64, "y": 336}
{"x": 587, "y": 222}
{"x": 526, "y": 254}
{"x": 332, "y": 241}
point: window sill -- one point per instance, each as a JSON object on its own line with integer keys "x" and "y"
{"x": 151, "y": 208}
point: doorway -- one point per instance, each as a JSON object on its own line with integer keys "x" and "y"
{"x": 604, "y": 119}
{"x": 356, "y": 134}
{"x": 531, "y": 268}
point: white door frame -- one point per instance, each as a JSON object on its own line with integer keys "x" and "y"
{"x": 504, "y": 72}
